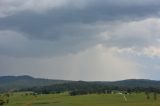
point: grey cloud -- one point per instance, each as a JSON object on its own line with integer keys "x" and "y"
{"x": 70, "y": 39}
{"x": 15, "y": 44}
{"x": 136, "y": 34}
{"x": 39, "y": 25}
{"x": 69, "y": 28}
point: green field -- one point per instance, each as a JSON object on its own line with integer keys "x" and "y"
{"x": 19, "y": 99}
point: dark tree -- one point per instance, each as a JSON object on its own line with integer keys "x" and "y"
{"x": 155, "y": 96}
{"x": 2, "y": 102}
{"x": 147, "y": 95}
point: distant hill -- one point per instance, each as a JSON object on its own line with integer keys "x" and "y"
{"x": 20, "y": 82}
{"x": 28, "y": 82}
{"x": 132, "y": 85}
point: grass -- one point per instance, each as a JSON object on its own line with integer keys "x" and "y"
{"x": 19, "y": 99}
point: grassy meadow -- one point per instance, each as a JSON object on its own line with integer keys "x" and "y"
{"x": 20, "y": 99}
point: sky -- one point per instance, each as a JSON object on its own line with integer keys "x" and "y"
{"x": 91, "y": 40}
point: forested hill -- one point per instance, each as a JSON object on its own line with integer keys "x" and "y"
{"x": 100, "y": 87}
{"x": 135, "y": 83}
{"x": 28, "y": 82}
{"x": 19, "y": 82}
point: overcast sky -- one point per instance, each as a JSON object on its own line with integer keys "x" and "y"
{"x": 93, "y": 40}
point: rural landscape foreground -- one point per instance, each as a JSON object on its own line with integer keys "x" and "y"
{"x": 29, "y": 91}
{"x": 139, "y": 99}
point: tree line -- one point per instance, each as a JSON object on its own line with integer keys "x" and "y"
{"x": 81, "y": 88}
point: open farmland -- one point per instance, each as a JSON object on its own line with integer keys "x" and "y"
{"x": 20, "y": 99}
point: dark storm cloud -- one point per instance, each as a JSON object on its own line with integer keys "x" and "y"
{"x": 57, "y": 23}
{"x": 80, "y": 39}
{"x": 69, "y": 28}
